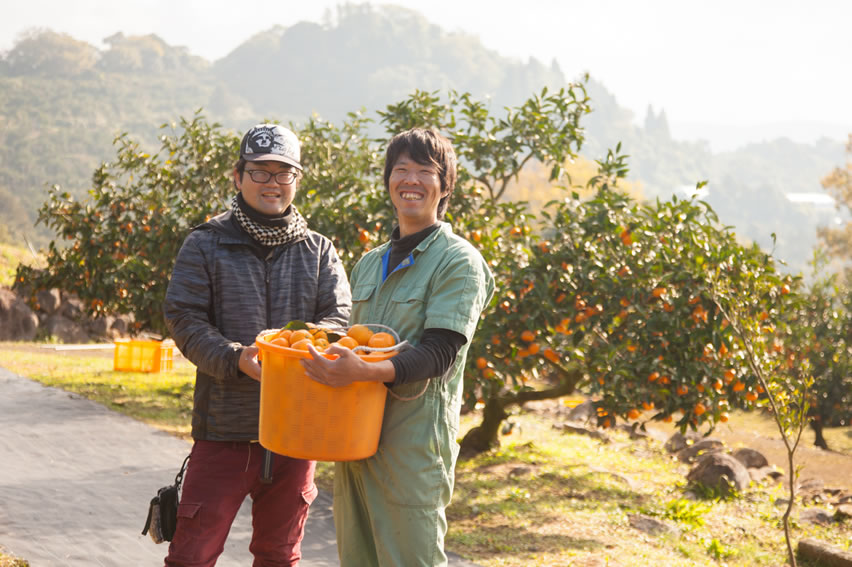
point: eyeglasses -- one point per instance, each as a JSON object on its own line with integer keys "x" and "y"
{"x": 282, "y": 177}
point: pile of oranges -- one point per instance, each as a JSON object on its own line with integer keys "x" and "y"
{"x": 321, "y": 339}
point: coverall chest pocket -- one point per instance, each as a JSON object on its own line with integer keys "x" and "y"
{"x": 361, "y": 296}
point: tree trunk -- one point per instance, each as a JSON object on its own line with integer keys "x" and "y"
{"x": 484, "y": 437}
{"x": 819, "y": 440}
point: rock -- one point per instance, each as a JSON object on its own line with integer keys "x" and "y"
{"x": 719, "y": 471}
{"x": 810, "y": 486}
{"x": 823, "y": 554}
{"x": 651, "y": 525}
{"x": 815, "y": 516}
{"x": 758, "y": 475}
{"x": 65, "y": 330}
{"x": 691, "y": 453}
{"x": 583, "y": 413}
{"x": 49, "y": 300}
{"x": 72, "y": 307}
{"x": 843, "y": 512}
{"x": 102, "y": 325}
{"x": 17, "y": 321}
{"x": 679, "y": 441}
{"x": 750, "y": 458}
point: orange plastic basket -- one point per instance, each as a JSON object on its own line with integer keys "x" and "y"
{"x": 302, "y": 418}
{"x": 143, "y": 356}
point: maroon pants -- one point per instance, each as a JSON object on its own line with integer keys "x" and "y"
{"x": 218, "y": 478}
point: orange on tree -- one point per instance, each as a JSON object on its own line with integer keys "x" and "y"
{"x": 481, "y": 363}
{"x": 528, "y": 336}
{"x": 363, "y": 236}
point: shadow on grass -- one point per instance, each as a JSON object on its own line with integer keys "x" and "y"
{"x": 508, "y": 540}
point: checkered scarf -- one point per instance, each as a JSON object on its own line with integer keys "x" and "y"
{"x": 269, "y": 231}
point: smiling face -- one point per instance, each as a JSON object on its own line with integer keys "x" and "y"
{"x": 415, "y": 190}
{"x": 269, "y": 198}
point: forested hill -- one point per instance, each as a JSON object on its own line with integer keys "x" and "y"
{"x": 62, "y": 102}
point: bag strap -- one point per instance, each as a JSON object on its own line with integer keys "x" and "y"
{"x": 179, "y": 476}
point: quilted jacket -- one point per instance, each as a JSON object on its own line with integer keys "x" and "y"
{"x": 223, "y": 291}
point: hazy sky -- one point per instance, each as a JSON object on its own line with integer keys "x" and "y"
{"x": 724, "y": 70}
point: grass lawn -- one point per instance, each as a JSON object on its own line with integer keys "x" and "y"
{"x": 544, "y": 498}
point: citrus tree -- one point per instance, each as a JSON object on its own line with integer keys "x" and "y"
{"x": 614, "y": 298}
{"x": 123, "y": 240}
{"x": 821, "y": 338}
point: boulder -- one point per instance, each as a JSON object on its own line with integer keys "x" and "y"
{"x": 65, "y": 330}
{"x": 758, "y": 475}
{"x": 679, "y": 441}
{"x": 49, "y": 300}
{"x": 690, "y": 453}
{"x": 719, "y": 471}
{"x": 823, "y": 553}
{"x": 815, "y": 516}
{"x": 72, "y": 307}
{"x": 17, "y": 321}
{"x": 750, "y": 458}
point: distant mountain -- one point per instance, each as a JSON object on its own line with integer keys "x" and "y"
{"x": 62, "y": 101}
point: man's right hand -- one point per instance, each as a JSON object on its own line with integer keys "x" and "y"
{"x": 248, "y": 362}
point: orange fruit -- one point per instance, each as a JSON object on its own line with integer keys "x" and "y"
{"x": 302, "y": 344}
{"x": 739, "y": 386}
{"x": 682, "y": 390}
{"x": 551, "y": 355}
{"x": 723, "y": 417}
{"x": 534, "y": 348}
{"x": 300, "y": 334}
{"x": 285, "y": 334}
{"x": 321, "y": 343}
{"x": 280, "y": 342}
{"x": 319, "y": 334}
{"x": 667, "y": 419}
{"x": 652, "y": 377}
{"x": 647, "y": 406}
{"x": 381, "y": 340}
{"x": 658, "y": 291}
{"x": 347, "y": 342}
{"x": 699, "y": 409}
{"x": 488, "y": 372}
{"x": 528, "y": 336}
{"x": 633, "y": 414}
{"x": 481, "y": 363}
{"x": 729, "y": 376}
{"x": 751, "y": 396}
{"x": 360, "y": 333}
{"x": 363, "y": 236}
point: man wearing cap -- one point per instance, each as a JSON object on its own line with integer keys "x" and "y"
{"x": 254, "y": 267}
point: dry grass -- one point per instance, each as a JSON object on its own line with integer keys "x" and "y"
{"x": 548, "y": 498}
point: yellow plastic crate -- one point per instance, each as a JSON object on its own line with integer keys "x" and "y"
{"x": 144, "y": 356}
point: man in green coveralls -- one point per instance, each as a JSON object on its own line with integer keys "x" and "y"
{"x": 430, "y": 286}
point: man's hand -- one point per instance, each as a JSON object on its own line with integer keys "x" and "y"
{"x": 345, "y": 368}
{"x": 248, "y": 362}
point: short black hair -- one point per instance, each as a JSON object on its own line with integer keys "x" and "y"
{"x": 426, "y": 146}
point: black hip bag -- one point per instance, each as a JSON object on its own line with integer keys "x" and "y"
{"x": 162, "y": 511}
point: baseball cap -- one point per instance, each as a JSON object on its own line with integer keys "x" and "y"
{"x": 271, "y": 142}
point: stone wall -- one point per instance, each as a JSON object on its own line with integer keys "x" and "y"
{"x": 57, "y": 315}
